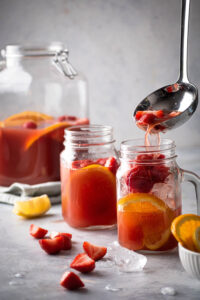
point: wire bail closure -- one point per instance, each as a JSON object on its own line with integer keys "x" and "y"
{"x": 63, "y": 65}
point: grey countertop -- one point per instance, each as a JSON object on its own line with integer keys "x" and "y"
{"x": 29, "y": 273}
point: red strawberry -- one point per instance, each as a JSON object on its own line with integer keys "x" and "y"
{"x": 94, "y": 252}
{"x": 138, "y": 115}
{"x": 159, "y": 114}
{"x": 37, "y": 232}
{"x": 147, "y": 118}
{"x": 71, "y": 281}
{"x": 112, "y": 164}
{"x": 54, "y": 234}
{"x": 101, "y": 161}
{"x": 83, "y": 263}
{"x": 52, "y": 246}
{"x": 29, "y": 125}
{"x": 138, "y": 180}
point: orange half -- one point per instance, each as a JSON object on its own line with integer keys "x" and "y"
{"x": 183, "y": 228}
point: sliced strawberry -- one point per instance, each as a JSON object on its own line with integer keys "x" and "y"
{"x": 112, "y": 164}
{"x": 159, "y": 114}
{"x": 71, "y": 281}
{"x": 54, "y": 234}
{"x": 37, "y": 232}
{"x": 52, "y": 246}
{"x": 94, "y": 252}
{"x": 83, "y": 263}
{"x": 147, "y": 118}
{"x": 138, "y": 115}
{"x": 101, "y": 161}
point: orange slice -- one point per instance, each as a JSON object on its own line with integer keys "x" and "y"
{"x": 183, "y": 228}
{"x": 42, "y": 132}
{"x": 196, "y": 238}
{"x": 152, "y": 214}
{"x": 29, "y": 115}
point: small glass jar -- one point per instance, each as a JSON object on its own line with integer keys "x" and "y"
{"x": 40, "y": 95}
{"x": 88, "y": 177}
{"x": 149, "y": 195}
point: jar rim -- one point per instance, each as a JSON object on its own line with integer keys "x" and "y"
{"x": 89, "y": 135}
{"x": 137, "y": 145}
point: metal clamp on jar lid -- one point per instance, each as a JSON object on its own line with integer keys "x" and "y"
{"x": 56, "y": 49}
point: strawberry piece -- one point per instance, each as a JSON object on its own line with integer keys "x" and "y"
{"x": 37, "y": 232}
{"x": 138, "y": 115}
{"x": 71, "y": 281}
{"x": 94, "y": 252}
{"x": 159, "y": 114}
{"x": 83, "y": 263}
{"x": 52, "y": 246}
{"x": 141, "y": 178}
{"x": 54, "y": 234}
{"x": 169, "y": 89}
{"x": 66, "y": 118}
{"x": 29, "y": 125}
{"x": 81, "y": 163}
{"x": 138, "y": 180}
{"x": 112, "y": 164}
{"x": 101, "y": 161}
{"x": 147, "y": 119}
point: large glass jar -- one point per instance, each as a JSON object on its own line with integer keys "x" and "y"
{"x": 40, "y": 95}
{"x": 88, "y": 177}
{"x": 149, "y": 195}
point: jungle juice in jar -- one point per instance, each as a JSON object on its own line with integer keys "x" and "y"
{"x": 88, "y": 177}
{"x": 149, "y": 191}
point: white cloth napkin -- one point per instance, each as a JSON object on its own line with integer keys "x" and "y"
{"x": 21, "y": 192}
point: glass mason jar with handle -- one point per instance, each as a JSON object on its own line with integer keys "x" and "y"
{"x": 88, "y": 177}
{"x": 149, "y": 195}
{"x": 41, "y": 94}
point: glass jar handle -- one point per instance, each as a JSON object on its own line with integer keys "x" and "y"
{"x": 195, "y": 180}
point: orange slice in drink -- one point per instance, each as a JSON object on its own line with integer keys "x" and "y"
{"x": 29, "y": 115}
{"x": 183, "y": 228}
{"x": 44, "y": 131}
{"x": 152, "y": 214}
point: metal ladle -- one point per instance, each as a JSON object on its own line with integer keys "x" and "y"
{"x": 184, "y": 98}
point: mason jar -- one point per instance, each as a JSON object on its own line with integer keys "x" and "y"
{"x": 88, "y": 177}
{"x": 149, "y": 195}
{"x": 41, "y": 94}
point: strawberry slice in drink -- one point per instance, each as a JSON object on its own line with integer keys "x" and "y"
{"x": 83, "y": 263}
{"x": 94, "y": 252}
{"x": 37, "y": 232}
{"x": 71, "y": 281}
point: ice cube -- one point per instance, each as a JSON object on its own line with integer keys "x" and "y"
{"x": 111, "y": 288}
{"x": 169, "y": 291}
{"x": 125, "y": 260}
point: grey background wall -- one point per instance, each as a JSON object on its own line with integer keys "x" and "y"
{"x": 127, "y": 48}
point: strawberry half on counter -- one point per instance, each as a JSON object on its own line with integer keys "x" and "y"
{"x": 67, "y": 243}
{"x": 37, "y": 232}
{"x": 94, "y": 252}
{"x": 71, "y": 281}
{"x": 52, "y": 246}
{"x": 83, "y": 263}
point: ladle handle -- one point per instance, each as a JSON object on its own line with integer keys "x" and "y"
{"x": 184, "y": 40}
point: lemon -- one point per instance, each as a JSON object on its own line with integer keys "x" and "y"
{"x": 33, "y": 207}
